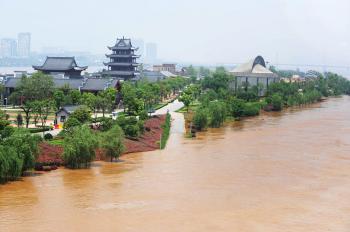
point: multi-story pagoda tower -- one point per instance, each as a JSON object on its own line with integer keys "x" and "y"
{"x": 122, "y": 64}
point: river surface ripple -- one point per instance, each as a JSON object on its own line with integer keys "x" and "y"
{"x": 287, "y": 171}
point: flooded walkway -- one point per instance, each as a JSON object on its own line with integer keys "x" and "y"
{"x": 286, "y": 171}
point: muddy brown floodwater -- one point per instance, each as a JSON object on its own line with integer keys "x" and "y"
{"x": 286, "y": 171}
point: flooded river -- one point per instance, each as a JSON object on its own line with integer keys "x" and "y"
{"x": 286, "y": 171}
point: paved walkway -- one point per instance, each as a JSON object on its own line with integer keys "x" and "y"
{"x": 171, "y": 107}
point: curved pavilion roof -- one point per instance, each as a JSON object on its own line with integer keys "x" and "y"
{"x": 253, "y": 68}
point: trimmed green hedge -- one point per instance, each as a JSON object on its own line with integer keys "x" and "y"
{"x": 39, "y": 129}
{"x": 166, "y": 131}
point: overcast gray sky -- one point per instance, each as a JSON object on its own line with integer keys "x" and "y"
{"x": 202, "y": 31}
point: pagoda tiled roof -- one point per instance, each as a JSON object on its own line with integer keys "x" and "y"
{"x": 122, "y": 56}
{"x": 123, "y": 44}
{"x": 120, "y": 73}
{"x": 120, "y": 64}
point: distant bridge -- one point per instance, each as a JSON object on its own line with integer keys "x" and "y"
{"x": 314, "y": 66}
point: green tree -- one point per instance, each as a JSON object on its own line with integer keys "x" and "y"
{"x": 58, "y": 97}
{"x": 204, "y": 71}
{"x": 187, "y": 98}
{"x": 112, "y": 142}
{"x": 35, "y": 88}
{"x": 26, "y": 146}
{"x": 192, "y": 72}
{"x": 10, "y": 164}
{"x": 106, "y": 100}
{"x": 42, "y": 109}
{"x": 130, "y": 125}
{"x": 277, "y": 102}
{"x": 237, "y": 107}
{"x": 217, "y": 113}
{"x": 251, "y": 109}
{"x": 19, "y": 120}
{"x": 218, "y": 80}
{"x": 71, "y": 123}
{"x": 5, "y": 128}
{"x": 82, "y": 114}
{"x": 75, "y": 96}
{"x": 91, "y": 101}
{"x": 132, "y": 103}
{"x": 200, "y": 119}
{"x": 79, "y": 148}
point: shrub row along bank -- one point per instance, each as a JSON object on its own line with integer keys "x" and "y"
{"x": 218, "y": 101}
{"x": 166, "y": 131}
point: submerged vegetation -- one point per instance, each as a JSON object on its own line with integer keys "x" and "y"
{"x": 18, "y": 151}
{"x": 217, "y": 100}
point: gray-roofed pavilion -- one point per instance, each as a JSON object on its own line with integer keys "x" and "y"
{"x": 66, "y": 65}
{"x": 253, "y": 73}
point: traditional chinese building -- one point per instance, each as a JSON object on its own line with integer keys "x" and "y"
{"x": 61, "y": 65}
{"x": 122, "y": 63}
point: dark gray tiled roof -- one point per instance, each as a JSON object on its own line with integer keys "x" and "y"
{"x": 11, "y": 82}
{"x": 95, "y": 84}
{"x": 84, "y": 84}
{"x": 69, "y": 108}
{"x": 59, "y": 64}
{"x": 113, "y": 83}
{"x": 99, "y": 84}
{"x": 72, "y": 83}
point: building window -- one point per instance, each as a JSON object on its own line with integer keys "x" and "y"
{"x": 62, "y": 118}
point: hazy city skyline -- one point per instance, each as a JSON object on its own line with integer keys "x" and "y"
{"x": 300, "y": 32}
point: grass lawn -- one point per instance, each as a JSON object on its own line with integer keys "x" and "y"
{"x": 160, "y": 105}
{"x": 13, "y": 112}
{"x": 193, "y": 107}
{"x": 55, "y": 142}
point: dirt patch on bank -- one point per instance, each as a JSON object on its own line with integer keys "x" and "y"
{"x": 149, "y": 141}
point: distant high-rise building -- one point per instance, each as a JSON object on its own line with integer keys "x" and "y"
{"x": 151, "y": 52}
{"x": 8, "y": 47}
{"x": 23, "y": 49}
{"x": 140, "y": 44}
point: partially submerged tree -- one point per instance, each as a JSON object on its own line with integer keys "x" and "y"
{"x": 112, "y": 142}
{"x": 79, "y": 148}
